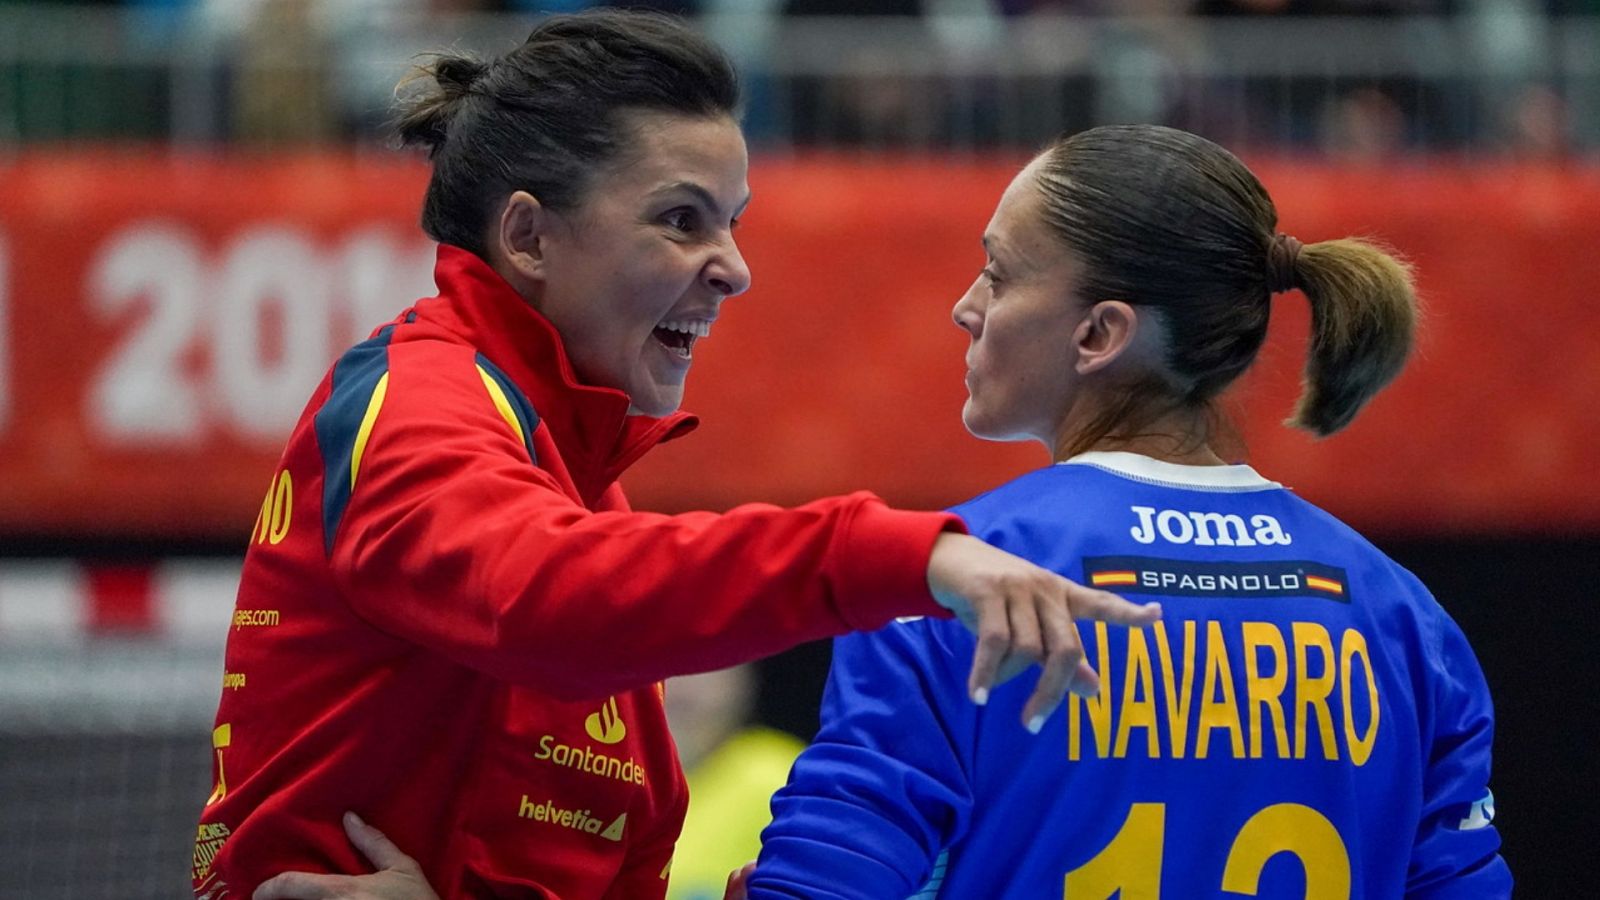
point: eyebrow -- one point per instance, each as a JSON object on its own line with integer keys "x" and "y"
{"x": 703, "y": 195}
{"x": 1003, "y": 254}
{"x": 989, "y": 243}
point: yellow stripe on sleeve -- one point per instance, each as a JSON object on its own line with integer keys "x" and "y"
{"x": 502, "y": 403}
{"x": 365, "y": 431}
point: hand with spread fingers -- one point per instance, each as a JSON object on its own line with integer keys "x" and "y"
{"x": 398, "y": 876}
{"x": 1022, "y": 615}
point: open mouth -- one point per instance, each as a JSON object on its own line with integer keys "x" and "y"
{"x": 679, "y": 336}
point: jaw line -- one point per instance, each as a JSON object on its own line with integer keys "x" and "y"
{"x": 658, "y": 389}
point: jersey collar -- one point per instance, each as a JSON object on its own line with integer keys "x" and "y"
{"x": 1144, "y": 468}
{"x": 597, "y": 437}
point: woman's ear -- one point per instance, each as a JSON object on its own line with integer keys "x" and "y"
{"x": 1106, "y": 334}
{"x": 517, "y": 239}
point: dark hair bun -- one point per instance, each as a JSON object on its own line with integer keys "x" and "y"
{"x": 426, "y": 112}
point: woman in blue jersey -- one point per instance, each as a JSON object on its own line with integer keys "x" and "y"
{"x": 1305, "y": 722}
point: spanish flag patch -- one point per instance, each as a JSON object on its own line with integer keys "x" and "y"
{"x": 1103, "y": 579}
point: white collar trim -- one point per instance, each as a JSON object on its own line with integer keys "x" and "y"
{"x": 1144, "y": 468}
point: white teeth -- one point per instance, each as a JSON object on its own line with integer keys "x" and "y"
{"x": 696, "y": 327}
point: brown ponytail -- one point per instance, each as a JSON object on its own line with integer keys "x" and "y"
{"x": 1168, "y": 221}
{"x": 1363, "y": 319}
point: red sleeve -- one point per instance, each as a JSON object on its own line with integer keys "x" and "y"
{"x": 645, "y": 873}
{"x": 453, "y": 540}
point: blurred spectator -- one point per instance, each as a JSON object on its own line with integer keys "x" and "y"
{"x": 282, "y": 92}
{"x": 1363, "y": 126}
{"x": 1496, "y": 75}
{"x": 1322, "y": 7}
{"x": 1351, "y": 118}
{"x": 746, "y": 29}
{"x": 676, "y": 7}
{"x": 158, "y": 21}
{"x": 1047, "y": 7}
{"x": 852, "y": 8}
{"x": 1540, "y": 127}
{"x": 733, "y": 768}
{"x": 881, "y": 89}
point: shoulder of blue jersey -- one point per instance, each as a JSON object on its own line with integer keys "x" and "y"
{"x": 1174, "y": 540}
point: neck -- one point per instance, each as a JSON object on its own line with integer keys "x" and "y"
{"x": 1181, "y": 436}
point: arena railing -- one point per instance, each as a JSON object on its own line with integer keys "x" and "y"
{"x": 1485, "y": 83}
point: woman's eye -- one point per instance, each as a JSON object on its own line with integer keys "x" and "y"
{"x": 680, "y": 220}
{"x": 991, "y": 276}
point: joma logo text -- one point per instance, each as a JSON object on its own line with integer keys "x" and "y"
{"x": 1205, "y": 529}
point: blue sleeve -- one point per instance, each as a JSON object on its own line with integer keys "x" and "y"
{"x": 884, "y": 787}
{"x": 1456, "y": 854}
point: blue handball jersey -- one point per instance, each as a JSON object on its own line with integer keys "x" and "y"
{"x": 1306, "y": 721}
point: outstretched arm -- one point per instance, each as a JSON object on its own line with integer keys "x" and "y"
{"x": 446, "y": 503}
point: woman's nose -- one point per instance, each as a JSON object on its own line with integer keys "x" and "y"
{"x": 966, "y": 314}
{"x": 728, "y": 274}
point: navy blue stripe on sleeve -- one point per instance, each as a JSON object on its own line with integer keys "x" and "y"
{"x": 520, "y": 407}
{"x": 356, "y": 377}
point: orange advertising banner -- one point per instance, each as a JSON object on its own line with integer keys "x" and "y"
{"x": 163, "y": 319}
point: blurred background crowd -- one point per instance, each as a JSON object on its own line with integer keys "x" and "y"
{"x": 1351, "y": 78}
{"x": 199, "y": 211}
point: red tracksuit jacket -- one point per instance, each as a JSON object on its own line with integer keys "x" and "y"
{"x": 450, "y": 622}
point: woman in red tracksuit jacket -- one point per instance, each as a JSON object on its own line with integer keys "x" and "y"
{"x": 449, "y": 620}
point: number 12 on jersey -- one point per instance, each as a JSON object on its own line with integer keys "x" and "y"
{"x": 1131, "y": 863}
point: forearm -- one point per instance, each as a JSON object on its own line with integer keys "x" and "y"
{"x": 836, "y": 850}
{"x": 529, "y": 587}
{"x": 883, "y": 790}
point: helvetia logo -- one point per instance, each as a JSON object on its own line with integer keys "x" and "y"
{"x": 613, "y": 831}
{"x": 606, "y": 725}
{"x": 576, "y": 819}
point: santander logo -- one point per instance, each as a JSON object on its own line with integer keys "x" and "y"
{"x": 1206, "y": 529}
{"x": 606, "y": 726}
